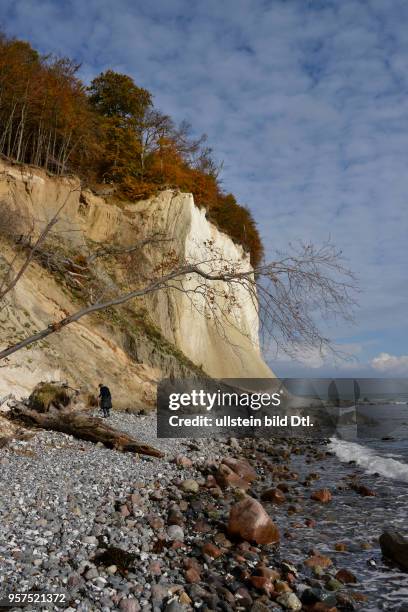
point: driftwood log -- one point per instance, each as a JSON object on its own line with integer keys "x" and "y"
{"x": 83, "y": 427}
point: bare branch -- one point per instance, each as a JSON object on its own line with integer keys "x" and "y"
{"x": 9, "y": 281}
{"x": 107, "y": 251}
{"x": 287, "y": 293}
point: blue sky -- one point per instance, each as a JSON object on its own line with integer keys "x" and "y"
{"x": 304, "y": 100}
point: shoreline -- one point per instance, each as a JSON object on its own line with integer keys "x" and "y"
{"x": 65, "y": 501}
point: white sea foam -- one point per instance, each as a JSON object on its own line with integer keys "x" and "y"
{"x": 369, "y": 460}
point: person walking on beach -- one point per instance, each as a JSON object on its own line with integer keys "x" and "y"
{"x": 105, "y": 400}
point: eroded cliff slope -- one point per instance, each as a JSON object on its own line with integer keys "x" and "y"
{"x": 176, "y": 334}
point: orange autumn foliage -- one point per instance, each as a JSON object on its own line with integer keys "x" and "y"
{"x": 109, "y": 132}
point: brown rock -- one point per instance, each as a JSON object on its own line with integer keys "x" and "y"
{"x": 318, "y": 561}
{"x": 155, "y": 521}
{"x": 155, "y": 568}
{"x": 241, "y": 467}
{"x": 192, "y": 576}
{"x": 124, "y": 511}
{"x": 226, "y": 477}
{"x": 175, "y": 517}
{"x": 249, "y": 520}
{"x": 182, "y": 461}
{"x": 359, "y": 596}
{"x": 136, "y": 499}
{"x": 346, "y": 577}
{"x": 184, "y": 599}
{"x": 282, "y": 587}
{"x": 262, "y": 584}
{"x": 276, "y": 496}
{"x": 310, "y": 523}
{"x": 283, "y": 486}
{"x": 211, "y": 550}
{"x": 221, "y": 540}
{"x": 210, "y": 482}
{"x": 321, "y": 495}
{"x": 362, "y": 490}
{"x": 340, "y": 547}
{"x": 267, "y": 572}
{"x": 192, "y": 563}
{"x": 201, "y": 526}
{"x": 243, "y": 597}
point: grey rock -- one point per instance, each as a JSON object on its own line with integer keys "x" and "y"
{"x": 129, "y": 605}
{"x": 175, "y": 532}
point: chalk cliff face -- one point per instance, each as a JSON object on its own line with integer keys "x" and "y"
{"x": 225, "y": 342}
{"x": 185, "y": 322}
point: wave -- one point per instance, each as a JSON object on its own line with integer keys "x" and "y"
{"x": 369, "y": 460}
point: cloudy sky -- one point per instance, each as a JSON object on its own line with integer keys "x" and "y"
{"x": 304, "y": 100}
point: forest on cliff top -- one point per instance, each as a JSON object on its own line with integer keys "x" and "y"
{"x": 109, "y": 133}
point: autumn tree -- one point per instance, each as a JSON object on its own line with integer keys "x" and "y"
{"x": 45, "y": 117}
{"x": 108, "y": 132}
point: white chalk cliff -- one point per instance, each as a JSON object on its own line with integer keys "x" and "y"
{"x": 88, "y": 349}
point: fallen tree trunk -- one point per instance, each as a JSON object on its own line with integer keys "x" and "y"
{"x": 83, "y": 427}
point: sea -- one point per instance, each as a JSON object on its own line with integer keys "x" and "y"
{"x": 378, "y": 453}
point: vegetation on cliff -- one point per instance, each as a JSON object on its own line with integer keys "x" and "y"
{"x": 110, "y": 133}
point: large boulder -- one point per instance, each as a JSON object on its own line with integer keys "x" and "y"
{"x": 235, "y": 473}
{"x": 250, "y": 521}
{"x": 395, "y": 547}
{"x": 47, "y": 395}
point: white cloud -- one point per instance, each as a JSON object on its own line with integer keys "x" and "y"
{"x": 304, "y": 101}
{"x": 391, "y": 364}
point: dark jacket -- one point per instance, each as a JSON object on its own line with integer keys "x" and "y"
{"x": 105, "y": 397}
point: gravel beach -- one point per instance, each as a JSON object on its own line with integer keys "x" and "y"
{"x": 117, "y": 531}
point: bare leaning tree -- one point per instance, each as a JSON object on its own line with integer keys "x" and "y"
{"x": 291, "y": 293}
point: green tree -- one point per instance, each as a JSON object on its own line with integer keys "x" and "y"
{"x": 116, "y": 95}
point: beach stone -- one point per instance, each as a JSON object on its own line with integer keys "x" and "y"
{"x": 184, "y": 599}
{"x": 333, "y": 585}
{"x": 183, "y": 461}
{"x": 160, "y": 592}
{"x": 395, "y": 547}
{"x": 91, "y": 573}
{"x": 175, "y": 516}
{"x": 241, "y": 467}
{"x": 249, "y": 520}
{"x": 275, "y": 496}
{"x": 129, "y": 605}
{"x": 174, "y": 606}
{"x": 346, "y": 577}
{"x": 226, "y": 477}
{"x": 211, "y": 550}
{"x": 243, "y": 597}
{"x": 156, "y": 522}
{"x": 363, "y": 490}
{"x": 192, "y": 575}
{"x": 289, "y": 601}
{"x": 262, "y": 584}
{"x": 190, "y": 486}
{"x": 233, "y": 442}
{"x": 124, "y": 511}
{"x": 175, "y": 532}
{"x": 155, "y": 568}
{"x": 323, "y": 496}
{"x": 318, "y": 561}
{"x": 282, "y": 587}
